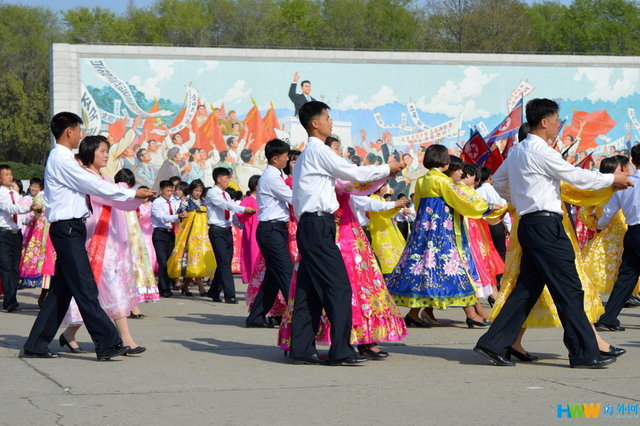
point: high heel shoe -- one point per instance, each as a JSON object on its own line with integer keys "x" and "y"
{"x": 64, "y": 342}
{"x": 471, "y": 323}
{"x": 366, "y": 351}
{"x": 185, "y": 292}
{"x": 524, "y": 357}
{"x": 491, "y": 301}
{"x": 410, "y": 322}
{"x": 430, "y": 319}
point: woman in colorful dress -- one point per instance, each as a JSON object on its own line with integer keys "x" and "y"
{"x": 432, "y": 271}
{"x": 145, "y": 280}
{"x": 192, "y": 256}
{"x": 249, "y": 252}
{"x": 144, "y": 218}
{"x": 386, "y": 239}
{"x": 109, "y": 251}
{"x": 375, "y": 317}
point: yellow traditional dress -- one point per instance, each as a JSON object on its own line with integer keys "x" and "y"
{"x": 544, "y": 313}
{"x": 386, "y": 239}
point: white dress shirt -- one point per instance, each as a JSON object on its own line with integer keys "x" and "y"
{"x": 10, "y": 208}
{"x": 489, "y": 193}
{"x": 314, "y": 177}
{"x": 361, "y": 204}
{"x": 217, "y": 202}
{"x": 628, "y": 200}
{"x": 273, "y": 196}
{"x": 161, "y": 215}
{"x": 66, "y": 186}
{"x": 529, "y": 179}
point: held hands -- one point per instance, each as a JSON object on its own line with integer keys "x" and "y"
{"x": 402, "y": 203}
{"x": 144, "y": 193}
{"x": 183, "y": 215}
{"x": 37, "y": 208}
{"x": 249, "y": 210}
{"x": 394, "y": 165}
{"x": 621, "y": 180}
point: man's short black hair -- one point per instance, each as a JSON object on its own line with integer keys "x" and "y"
{"x": 355, "y": 159}
{"x": 88, "y": 147}
{"x": 635, "y": 155}
{"x": 401, "y": 195}
{"x": 36, "y": 181}
{"x": 436, "y": 156}
{"x": 303, "y": 82}
{"x": 275, "y": 147}
{"x": 485, "y": 174}
{"x": 371, "y": 158}
{"x": 455, "y": 164}
{"x": 174, "y": 180}
{"x": 5, "y": 167}
{"x": 140, "y": 153}
{"x": 310, "y": 111}
{"x": 126, "y": 176}
{"x": 471, "y": 170}
{"x": 609, "y": 164}
{"x": 539, "y": 109}
{"x": 245, "y": 155}
{"x": 62, "y": 121}
{"x": 230, "y": 141}
{"x": 165, "y": 183}
{"x": 218, "y": 172}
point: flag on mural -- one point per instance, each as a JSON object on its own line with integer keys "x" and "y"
{"x": 475, "y": 150}
{"x": 596, "y": 123}
{"x": 270, "y": 123}
{"x": 508, "y": 127}
{"x": 118, "y": 129}
{"x": 253, "y": 122}
{"x": 586, "y": 162}
{"x": 210, "y": 135}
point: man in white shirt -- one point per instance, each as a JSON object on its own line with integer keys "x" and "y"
{"x": 66, "y": 190}
{"x": 322, "y": 276}
{"x": 629, "y": 201}
{"x": 10, "y": 237}
{"x": 220, "y": 208}
{"x": 176, "y": 141}
{"x": 273, "y": 196}
{"x": 530, "y": 180}
{"x": 164, "y": 218}
{"x": 361, "y": 205}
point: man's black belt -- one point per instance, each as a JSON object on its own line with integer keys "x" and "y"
{"x": 316, "y": 214}
{"x": 543, "y": 213}
{"x": 10, "y": 231}
{"x": 164, "y": 229}
{"x": 274, "y": 221}
{"x": 75, "y": 219}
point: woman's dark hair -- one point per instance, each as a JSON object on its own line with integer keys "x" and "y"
{"x": 609, "y": 164}
{"x": 330, "y": 140}
{"x": 126, "y": 176}
{"x": 455, "y": 164}
{"x": 293, "y": 155}
{"x": 253, "y": 183}
{"x": 471, "y": 170}
{"x": 355, "y": 159}
{"x": 196, "y": 183}
{"x": 89, "y": 146}
{"x": 523, "y": 131}
{"x": 623, "y": 160}
{"x": 20, "y": 187}
{"x": 436, "y": 156}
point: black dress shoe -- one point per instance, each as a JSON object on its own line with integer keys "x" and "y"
{"x": 47, "y": 354}
{"x": 601, "y": 326}
{"x": 258, "y": 325}
{"x": 310, "y": 360}
{"x": 596, "y": 363}
{"x": 136, "y": 316}
{"x": 113, "y": 352}
{"x": 365, "y": 350}
{"x": 494, "y": 358}
{"x": 167, "y": 293}
{"x": 135, "y": 351}
{"x": 471, "y": 323}
{"x": 231, "y": 301}
{"x": 410, "y": 322}
{"x": 64, "y": 342}
{"x": 524, "y": 357}
{"x": 613, "y": 351}
{"x": 12, "y": 308}
{"x": 351, "y": 360}
{"x": 631, "y": 302}
{"x": 216, "y": 299}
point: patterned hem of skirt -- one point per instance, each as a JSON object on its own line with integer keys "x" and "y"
{"x": 429, "y": 302}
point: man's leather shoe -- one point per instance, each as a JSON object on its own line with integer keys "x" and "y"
{"x": 167, "y": 293}
{"x": 47, "y": 354}
{"x": 135, "y": 351}
{"x": 231, "y": 300}
{"x": 633, "y": 301}
{"x": 258, "y": 325}
{"x": 494, "y": 358}
{"x": 310, "y": 360}
{"x": 596, "y": 363}
{"x": 13, "y": 308}
{"x": 216, "y": 299}
{"x": 113, "y": 352}
{"x": 613, "y": 351}
{"x": 350, "y": 360}
{"x": 601, "y": 326}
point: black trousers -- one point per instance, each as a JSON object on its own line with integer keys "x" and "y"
{"x": 547, "y": 258}
{"x": 404, "y": 229}
{"x": 222, "y": 242}
{"x": 163, "y": 243}
{"x": 73, "y": 278}
{"x": 272, "y": 239}
{"x": 322, "y": 282}
{"x": 10, "y": 251}
{"x": 499, "y": 237}
{"x": 627, "y": 277}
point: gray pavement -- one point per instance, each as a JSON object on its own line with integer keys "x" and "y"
{"x": 203, "y": 367}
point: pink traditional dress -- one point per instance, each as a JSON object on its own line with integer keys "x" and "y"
{"x": 144, "y": 218}
{"x": 37, "y": 264}
{"x": 145, "y": 280}
{"x": 237, "y": 249}
{"x": 250, "y": 252}
{"x": 375, "y": 316}
{"x": 110, "y": 255}
{"x": 487, "y": 261}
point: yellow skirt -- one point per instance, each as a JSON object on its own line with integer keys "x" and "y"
{"x": 192, "y": 256}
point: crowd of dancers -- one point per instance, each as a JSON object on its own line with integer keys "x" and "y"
{"x": 327, "y": 255}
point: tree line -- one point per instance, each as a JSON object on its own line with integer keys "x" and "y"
{"x": 608, "y": 27}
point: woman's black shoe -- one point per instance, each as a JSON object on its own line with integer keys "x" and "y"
{"x": 613, "y": 351}
{"x": 410, "y": 322}
{"x": 136, "y": 316}
{"x": 471, "y": 323}
{"x": 371, "y": 354}
{"x": 491, "y": 301}
{"x": 63, "y": 342}
{"x": 524, "y": 357}
{"x": 185, "y": 292}
{"x": 203, "y": 293}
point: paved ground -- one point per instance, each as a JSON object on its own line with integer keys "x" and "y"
{"x": 203, "y": 367}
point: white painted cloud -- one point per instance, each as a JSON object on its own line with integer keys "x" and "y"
{"x": 454, "y": 99}
{"x": 236, "y": 94}
{"x": 208, "y": 66}
{"x": 163, "y": 69}
{"x": 384, "y": 96}
{"x": 603, "y": 87}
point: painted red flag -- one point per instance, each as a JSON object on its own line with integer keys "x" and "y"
{"x": 117, "y": 129}
{"x": 253, "y": 122}
{"x": 597, "y": 123}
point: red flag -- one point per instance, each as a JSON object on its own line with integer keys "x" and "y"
{"x": 507, "y": 148}
{"x": 270, "y": 123}
{"x": 210, "y": 134}
{"x": 508, "y": 127}
{"x": 586, "y": 162}
{"x": 117, "y": 129}
{"x": 596, "y": 123}
{"x": 223, "y": 113}
{"x": 150, "y": 122}
{"x": 494, "y": 160}
{"x": 184, "y": 132}
{"x": 253, "y": 122}
{"x": 475, "y": 150}
{"x": 361, "y": 152}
